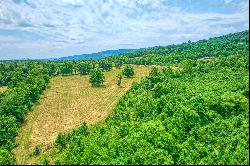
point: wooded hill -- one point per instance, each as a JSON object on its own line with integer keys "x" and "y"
{"x": 195, "y": 114}
{"x": 194, "y": 111}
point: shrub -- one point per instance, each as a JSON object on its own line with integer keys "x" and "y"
{"x": 6, "y": 158}
{"x": 119, "y": 79}
{"x": 45, "y": 161}
{"x": 37, "y": 150}
{"x": 128, "y": 71}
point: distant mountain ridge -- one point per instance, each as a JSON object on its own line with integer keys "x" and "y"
{"x": 96, "y": 55}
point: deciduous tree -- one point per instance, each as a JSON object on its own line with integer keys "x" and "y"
{"x": 96, "y": 77}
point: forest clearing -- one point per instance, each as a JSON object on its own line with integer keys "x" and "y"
{"x": 67, "y": 103}
{"x": 186, "y": 109}
{"x": 119, "y": 82}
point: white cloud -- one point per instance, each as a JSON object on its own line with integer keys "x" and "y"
{"x": 228, "y": 1}
{"x": 8, "y": 38}
{"x": 115, "y": 22}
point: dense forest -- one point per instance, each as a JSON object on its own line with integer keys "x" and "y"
{"x": 194, "y": 110}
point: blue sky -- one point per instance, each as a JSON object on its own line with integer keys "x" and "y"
{"x": 55, "y": 28}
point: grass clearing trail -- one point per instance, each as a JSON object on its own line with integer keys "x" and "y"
{"x": 67, "y": 103}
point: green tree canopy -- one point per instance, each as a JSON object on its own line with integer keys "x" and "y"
{"x": 128, "y": 71}
{"x": 66, "y": 68}
{"x": 119, "y": 79}
{"x": 6, "y": 158}
{"x": 84, "y": 67}
{"x": 96, "y": 77}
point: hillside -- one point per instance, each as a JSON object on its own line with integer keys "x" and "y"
{"x": 97, "y": 55}
{"x": 68, "y": 102}
{"x": 197, "y": 114}
{"x": 194, "y": 110}
{"x": 223, "y": 46}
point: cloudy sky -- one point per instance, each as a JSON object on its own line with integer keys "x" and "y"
{"x": 55, "y": 28}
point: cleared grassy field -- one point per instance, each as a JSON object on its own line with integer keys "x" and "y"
{"x": 68, "y": 102}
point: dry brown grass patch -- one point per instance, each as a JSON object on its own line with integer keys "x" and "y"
{"x": 2, "y": 88}
{"x": 67, "y": 104}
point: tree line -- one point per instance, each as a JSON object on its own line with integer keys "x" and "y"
{"x": 197, "y": 114}
{"x": 172, "y": 117}
{"x": 26, "y": 80}
{"x": 25, "y": 86}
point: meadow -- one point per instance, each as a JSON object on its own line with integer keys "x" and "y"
{"x": 67, "y": 103}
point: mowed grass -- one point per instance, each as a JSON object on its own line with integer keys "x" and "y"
{"x": 67, "y": 103}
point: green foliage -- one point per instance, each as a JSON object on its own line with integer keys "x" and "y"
{"x": 45, "y": 161}
{"x": 195, "y": 113}
{"x": 105, "y": 65}
{"x": 6, "y": 158}
{"x": 52, "y": 68}
{"x": 96, "y": 77}
{"x": 37, "y": 150}
{"x": 84, "y": 67}
{"x": 8, "y": 128}
{"x": 66, "y": 68}
{"x": 128, "y": 71}
{"x": 27, "y": 82}
{"x": 60, "y": 141}
{"x": 232, "y": 44}
{"x": 119, "y": 79}
{"x": 118, "y": 64}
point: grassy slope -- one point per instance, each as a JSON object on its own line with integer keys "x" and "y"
{"x": 68, "y": 102}
{"x": 196, "y": 116}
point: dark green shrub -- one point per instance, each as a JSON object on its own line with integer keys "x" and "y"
{"x": 128, "y": 71}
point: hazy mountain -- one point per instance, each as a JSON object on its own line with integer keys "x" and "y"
{"x": 96, "y": 55}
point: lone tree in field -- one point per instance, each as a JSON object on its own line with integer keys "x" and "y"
{"x": 119, "y": 79}
{"x": 128, "y": 71}
{"x": 96, "y": 77}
